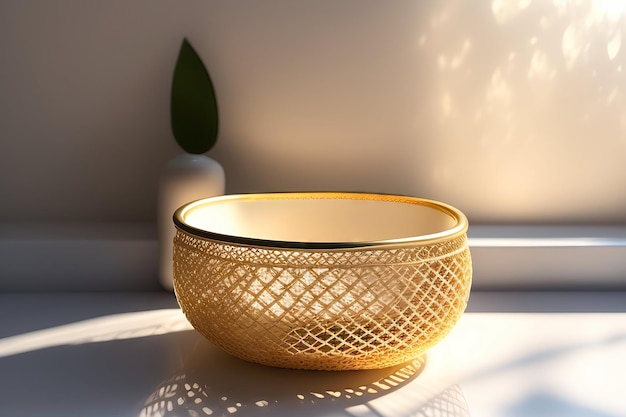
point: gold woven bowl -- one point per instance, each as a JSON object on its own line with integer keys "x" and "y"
{"x": 330, "y": 281}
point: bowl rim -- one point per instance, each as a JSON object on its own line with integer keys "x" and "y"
{"x": 459, "y": 229}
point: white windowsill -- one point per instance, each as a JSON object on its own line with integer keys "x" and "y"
{"x": 123, "y": 256}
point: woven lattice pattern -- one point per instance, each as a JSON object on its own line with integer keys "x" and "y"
{"x": 322, "y": 309}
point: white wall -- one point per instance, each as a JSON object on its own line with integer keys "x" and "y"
{"x": 512, "y": 111}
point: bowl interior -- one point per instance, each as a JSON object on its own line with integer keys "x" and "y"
{"x": 321, "y": 217}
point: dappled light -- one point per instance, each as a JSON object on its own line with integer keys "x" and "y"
{"x": 527, "y": 98}
{"x": 214, "y": 384}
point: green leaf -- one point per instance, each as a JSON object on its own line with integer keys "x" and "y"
{"x": 193, "y": 106}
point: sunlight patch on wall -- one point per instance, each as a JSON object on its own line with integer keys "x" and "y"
{"x": 529, "y": 109}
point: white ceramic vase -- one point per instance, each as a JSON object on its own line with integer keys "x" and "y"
{"x": 185, "y": 178}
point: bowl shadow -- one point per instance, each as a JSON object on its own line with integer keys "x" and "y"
{"x": 214, "y": 383}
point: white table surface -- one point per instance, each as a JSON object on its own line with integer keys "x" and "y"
{"x": 134, "y": 354}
